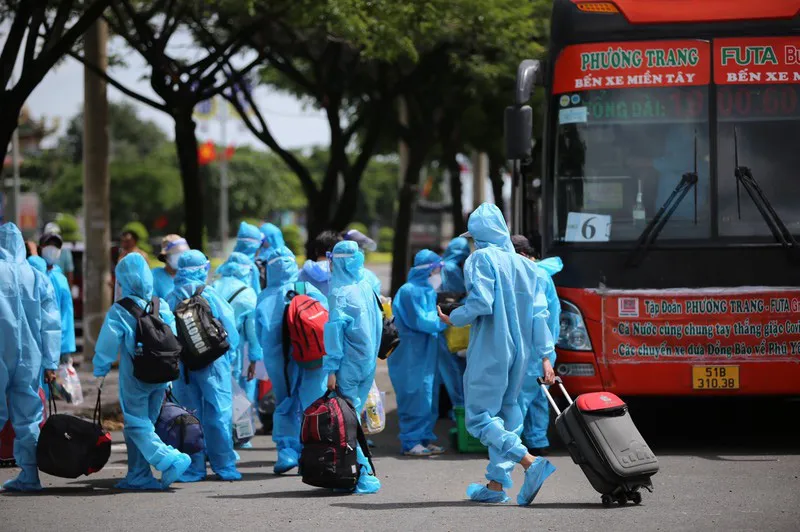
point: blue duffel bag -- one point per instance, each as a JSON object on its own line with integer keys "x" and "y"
{"x": 179, "y": 427}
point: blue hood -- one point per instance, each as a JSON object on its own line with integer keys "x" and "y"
{"x": 237, "y": 266}
{"x": 488, "y": 227}
{"x": 348, "y": 264}
{"x": 273, "y": 238}
{"x": 552, "y": 265}
{"x": 134, "y": 277}
{"x": 457, "y": 251}
{"x": 12, "y": 247}
{"x": 248, "y": 240}
{"x": 424, "y": 261}
{"x": 318, "y": 271}
{"x": 193, "y": 267}
{"x": 38, "y": 263}
{"x": 281, "y": 266}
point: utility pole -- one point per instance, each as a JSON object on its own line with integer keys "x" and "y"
{"x": 480, "y": 167}
{"x": 223, "y": 179}
{"x": 13, "y": 200}
{"x": 96, "y": 189}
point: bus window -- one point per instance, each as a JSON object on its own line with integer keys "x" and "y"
{"x": 766, "y": 119}
{"x": 622, "y": 151}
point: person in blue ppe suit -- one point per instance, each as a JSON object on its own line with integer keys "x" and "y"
{"x": 507, "y": 310}
{"x": 317, "y": 270}
{"x": 30, "y": 339}
{"x": 365, "y": 244}
{"x": 140, "y": 401}
{"x": 412, "y": 367}
{"x": 208, "y": 390}
{"x": 233, "y": 286}
{"x": 50, "y": 245}
{"x": 450, "y": 370}
{"x": 271, "y": 237}
{"x": 352, "y": 339}
{"x": 297, "y": 389}
{"x": 248, "y": 242}
{"x": 39, "y": 264}
{"x": 532, "y": 400}
{"x": 172, "y": 247}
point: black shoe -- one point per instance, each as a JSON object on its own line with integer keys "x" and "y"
{"x": 539, "y": 451}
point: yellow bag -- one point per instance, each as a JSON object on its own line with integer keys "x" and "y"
{"x": 457, "y": 338}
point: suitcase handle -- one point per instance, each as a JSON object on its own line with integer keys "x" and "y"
{"x": 560, "y": 383}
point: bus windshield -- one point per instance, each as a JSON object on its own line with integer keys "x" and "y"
{"x": 621, "y": 153}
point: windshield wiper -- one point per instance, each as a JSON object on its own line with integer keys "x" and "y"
{"x": 744, "y": 177}
{"x": 653, "y": 229}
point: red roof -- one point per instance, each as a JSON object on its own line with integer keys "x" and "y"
{"x": 666, "y": 11}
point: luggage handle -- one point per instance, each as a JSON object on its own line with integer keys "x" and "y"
{"x": 547, "y": 394}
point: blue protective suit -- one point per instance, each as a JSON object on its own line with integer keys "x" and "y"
{"x": 163, "y": 282}
{"x": 30, "y": 337}
{"x": 208, "y": 391}
{"x": 304, "y": 385}
{"x": 507, "y": 310}
{"x": 65, "y": 309}
{"x": 318, "y": 273}
{"x": 233, "y": 286}
{"x": 140, "y": 401}
{"x": 353, "y": 332}
{"x": 412, "y": 367}
{"x": 272, "y": 237}
{"x": 248, "y": 242}
{"x": 534, "y": 404}
{"x": 453, "y": 270}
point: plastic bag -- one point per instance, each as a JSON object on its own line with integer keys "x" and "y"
{"x": 457, "y": 338}
{"x": 373, "y": 417}
{"x": 244, "y": 427}
{"x": 69, "y": 384}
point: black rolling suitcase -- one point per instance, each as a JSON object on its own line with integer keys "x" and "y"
{"x": 602, "y": 439}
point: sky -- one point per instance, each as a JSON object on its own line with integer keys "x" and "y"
{"x": 60, "y": 95}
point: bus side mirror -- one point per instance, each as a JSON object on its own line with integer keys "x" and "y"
{"x": 518, "y": 132}
{"x": 529, "y": 75}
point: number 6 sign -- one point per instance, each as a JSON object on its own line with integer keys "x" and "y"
{"x": 588, "y": 227}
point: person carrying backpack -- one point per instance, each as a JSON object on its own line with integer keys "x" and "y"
{"x": 352, "y": 339}
{"x": 248, "y": 242}
{"x": 233, "y": 287}
{"x": 206, "y": 389}
{"x": 140, "y": 401}
{"x": 296, "y": 384}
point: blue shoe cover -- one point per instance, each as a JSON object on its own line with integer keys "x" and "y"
{"x": 237, "y": 457}
{"x": 246, "y": 445}
{"x": 17, "y": 484}
{"x": 367, "y": 483}
{"x": 480, "y": 493}
{"x": 287, "y": 460}
{"x": 175, "y": 471}
{"x": 229, "y": 473}
{"x": 535, "y": 476}
{"x": 141, "y": 484}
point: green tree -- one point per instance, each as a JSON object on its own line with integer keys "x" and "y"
{"x": 70, "y": 231}
{"x": 143, "y": 236}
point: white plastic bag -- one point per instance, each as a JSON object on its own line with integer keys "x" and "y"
{"x": 243, "y": 426}
{"x": 70, "y": 383}
{"x": 373, "y": 417}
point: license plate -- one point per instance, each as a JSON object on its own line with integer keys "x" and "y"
{"x": 715, "y": 377}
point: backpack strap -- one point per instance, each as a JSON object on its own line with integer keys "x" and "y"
{"x": 199, "y": 290}
{"x": 300, "y": 288}
{"x": 235, "y": 294}
{"x": 130, "y": 305}
{"x": 156, "y": 306}
{"x": 380, "y": 304}
{"x": 287, "y": 345}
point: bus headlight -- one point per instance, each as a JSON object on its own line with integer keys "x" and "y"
{"x": 575, "y": 370}
{"x": 573, "y": 335}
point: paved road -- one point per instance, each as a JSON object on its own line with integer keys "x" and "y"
{"x": 724, "y": 466}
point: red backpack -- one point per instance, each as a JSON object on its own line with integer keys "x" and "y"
{"x": 304, "y": 322}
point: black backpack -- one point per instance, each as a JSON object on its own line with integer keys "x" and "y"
{"x": 262, "y": 272}
{"x": 330, "y": 434}
{"x": 70, "y": 446}
{"x": 203, "y": 336}
{"x": 160, "y": 350}
{"x": 390, "y": 338}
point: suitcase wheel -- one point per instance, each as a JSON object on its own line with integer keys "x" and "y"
{"x": 635, "y": 497}
{"x": 607, "y": 501}
{"x": 622, "y": 499}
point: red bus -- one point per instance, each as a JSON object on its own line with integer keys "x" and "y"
{"x": 669, "y": 184}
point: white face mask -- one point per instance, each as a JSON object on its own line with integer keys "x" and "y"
{"x": 435, "y": 281}
{"x": 172, "y": 261}
{"x": 51, "y": 254}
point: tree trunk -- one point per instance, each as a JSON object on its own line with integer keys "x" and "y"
{"x": 456, "y": 206}
{"x": 317, "y": 219}
{"x": 496, "y": 177}
{"x": 405, "y": 211}
{"x": 193, "y": 186}
{"x": 9, "y": 115}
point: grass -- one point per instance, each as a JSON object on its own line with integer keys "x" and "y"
{"x": 379, "y": 258}
{"x": 372, "y": 258}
